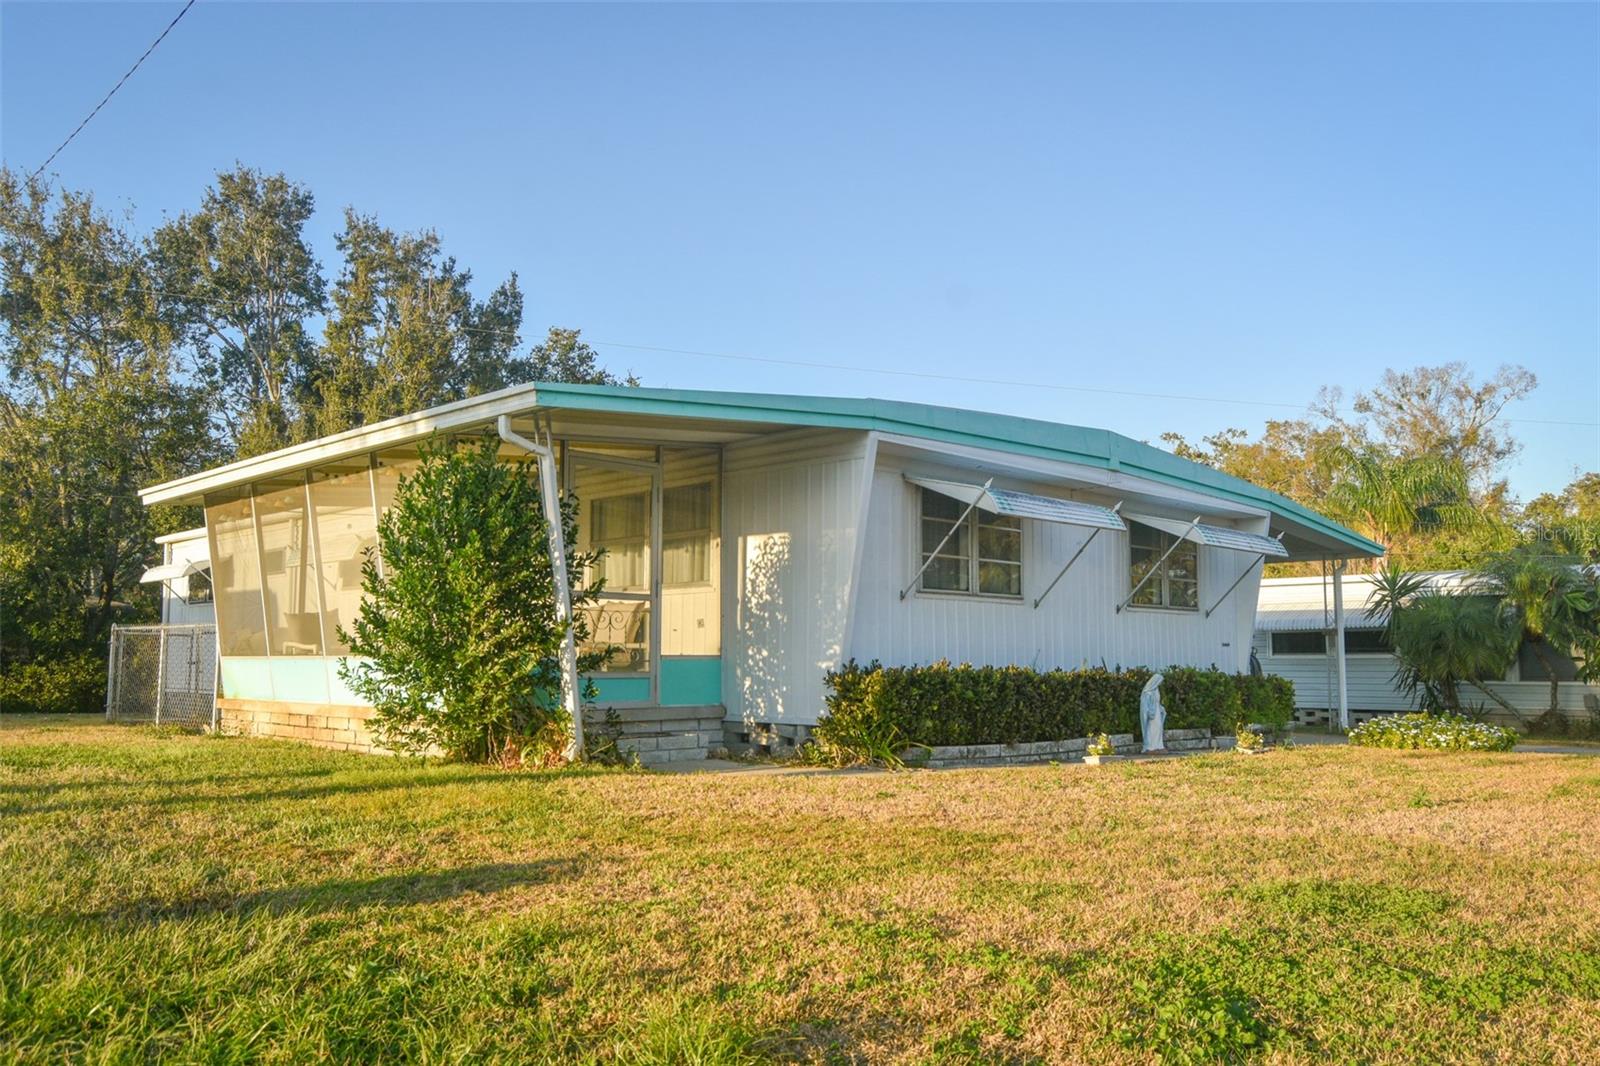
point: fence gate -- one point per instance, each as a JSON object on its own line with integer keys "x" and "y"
{"x": 163, "y": 674}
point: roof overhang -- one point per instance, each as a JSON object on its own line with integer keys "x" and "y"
{"x": 730, "y": 415}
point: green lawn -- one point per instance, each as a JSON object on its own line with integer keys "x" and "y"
{"x": 180, "y": 898}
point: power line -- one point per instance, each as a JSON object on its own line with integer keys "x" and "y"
{"x": 927, "y": 375}
{"x": 114, "y": 89}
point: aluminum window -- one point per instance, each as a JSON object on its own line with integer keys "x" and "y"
{"x": 982, "y": 557}
{"x": 1177, "y": 585}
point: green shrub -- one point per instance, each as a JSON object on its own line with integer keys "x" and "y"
{"x": 457, "y": 641}
{"x": 1445, "y": 732}
{"x": 943, "y": 705}
{"x": 74, "y": 684}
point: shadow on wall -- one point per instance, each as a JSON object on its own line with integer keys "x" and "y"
{"x": 764, "y": 621}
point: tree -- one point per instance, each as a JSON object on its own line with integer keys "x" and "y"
{"x": 1568, "y": 521}
{"x": 92, "y": 407}
{"x": 1393, "y": 500}
{"x": 1552, "y": 604}
{"x": 1293, "y": 457}
{"x": 563, "y": 356}
{"x": 406, "y": 332}
{"x": 242, "y": 283}
{"x": 459, "y": 629}
{"x": 1444, "y": 641}
{"x": 1443, "y": 411}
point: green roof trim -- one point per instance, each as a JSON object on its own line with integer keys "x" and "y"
{"x": 1010, "y": 433}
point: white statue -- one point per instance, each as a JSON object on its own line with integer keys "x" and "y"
{"x": 1153, "y": 716}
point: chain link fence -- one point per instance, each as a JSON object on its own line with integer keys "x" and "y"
{"x": 163, "y": 674}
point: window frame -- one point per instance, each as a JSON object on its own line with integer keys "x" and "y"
{"x": 708, "y": 533}
{"x": 189, "y": 596}
{"x": 1366, "y": 651}
{"x": 1164, "y": 543}
{"x": 1272, "y": 644}
{"x": 973, "y": 558}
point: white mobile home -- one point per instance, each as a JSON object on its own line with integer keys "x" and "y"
{"x": 1294, "y": 639}
{"x": 184, "y": 574}
{"x": 756, "y": 541}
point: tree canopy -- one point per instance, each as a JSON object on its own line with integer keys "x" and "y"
{"x": 134, "y": 358}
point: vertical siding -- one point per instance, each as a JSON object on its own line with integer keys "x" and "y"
{"x": 1077, "y": 625}
{"x": 1370, "y": 684}
{"x": 789, "y": 528}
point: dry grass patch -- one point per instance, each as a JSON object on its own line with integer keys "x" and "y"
{"x": 203, "y": 899}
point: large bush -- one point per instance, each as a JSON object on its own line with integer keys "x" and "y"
{"x": 458, "y": 636}
{"x": 873, "y": 709}
{"x": 73, "y": 684}
{"x": 1445, "y": 732}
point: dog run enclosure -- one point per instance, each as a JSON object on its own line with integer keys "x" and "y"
{"x": 163, "y": 674}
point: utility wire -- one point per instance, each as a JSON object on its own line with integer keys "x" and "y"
{"x": 114, "y": 89}
{"x": 927, "y": 375}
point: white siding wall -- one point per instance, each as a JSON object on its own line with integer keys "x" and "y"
{"x": 789, "y": 523}
{"x": 174, "y": 610}
{"x": 1370, "y": 681}
{"x": 1077, "y": 625}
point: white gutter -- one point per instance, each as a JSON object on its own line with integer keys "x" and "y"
{"x": 550, "y": 496}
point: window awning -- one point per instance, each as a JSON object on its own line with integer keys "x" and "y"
{"x": 1025, "y": 504}
{"x": 1216, "y": 536}
{"x": 173, "y": 571}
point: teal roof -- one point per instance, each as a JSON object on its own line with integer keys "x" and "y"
{"x": 1009, "y": 433}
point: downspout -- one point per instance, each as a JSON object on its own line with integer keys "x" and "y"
{"x": 550, "y": 496}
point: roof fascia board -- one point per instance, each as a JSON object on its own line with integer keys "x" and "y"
{"x": 379, "y": 435}
{"x": 1106, "y": 482}
{"x": 1114, "y": 452}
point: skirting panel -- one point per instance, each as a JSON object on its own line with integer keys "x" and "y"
{"x": 343, "y": 728}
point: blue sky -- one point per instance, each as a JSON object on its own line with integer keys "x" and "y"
{"x": 1224, "y": 202}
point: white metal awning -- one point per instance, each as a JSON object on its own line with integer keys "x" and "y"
{"x": 173, "y": 571}
{"x": 1025, "y": 504}
{"x": 1302, "y": 618}
{"x": 1217, "y": 536}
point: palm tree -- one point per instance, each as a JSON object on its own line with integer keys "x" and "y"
{"x": 1442, "y": 641}
{"x": 1389, "y": 497}
{"x": 1552, "y": 604}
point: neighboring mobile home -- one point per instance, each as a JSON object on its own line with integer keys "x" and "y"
{"x": 184, "y": 574}
{"x": 756, "y": 541}
{"x": 1294, "y": 625}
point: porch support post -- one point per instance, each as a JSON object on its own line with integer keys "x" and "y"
{"x": 1081, "y": 549}
{"x": 935, "y": 553}
{"x": 1338, "y": 642}
{"x": 1156, "y": 569}
{"x": 550, "y": 497}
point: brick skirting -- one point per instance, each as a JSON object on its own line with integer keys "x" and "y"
{"x": 342, "y": 728}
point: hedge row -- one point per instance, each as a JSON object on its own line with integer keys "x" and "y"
{"x": 70, "y": 685}
{"x": 873, "y": 708}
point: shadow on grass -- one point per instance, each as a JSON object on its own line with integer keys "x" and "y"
{"x": 404, "y": 779}
{"x": 390, "y": 890}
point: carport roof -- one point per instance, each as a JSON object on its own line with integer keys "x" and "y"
{"x": 1090, "y": 447}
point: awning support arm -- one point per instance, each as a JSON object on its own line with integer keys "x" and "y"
{"x": 1156, "y": 569}
{"x": 935, "y": 553}
{"x": 1081, "y": 548}
{"x": 1242, "y": 575}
